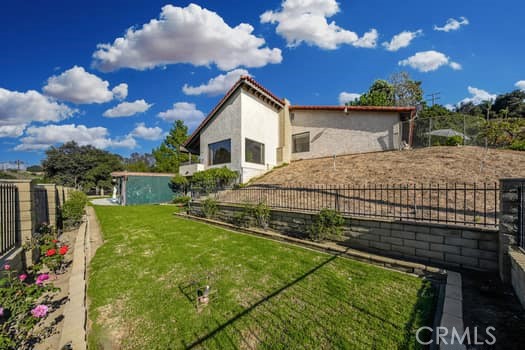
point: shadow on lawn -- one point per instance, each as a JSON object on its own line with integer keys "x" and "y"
{"x": 251, "y": 338}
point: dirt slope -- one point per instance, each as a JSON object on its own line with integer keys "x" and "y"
{"x": 427, "y": 165}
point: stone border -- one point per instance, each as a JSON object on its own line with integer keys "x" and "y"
{"x": 74, "y": 328}
{"x": 452, "y": 316}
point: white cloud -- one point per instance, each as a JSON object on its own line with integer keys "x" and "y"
{"x": 141, "y": 131}
{"x": 402, "y": 40}
{"x": 478, "y": 96}
{"x": 40, "y": 138}
{"x": 455, "y": 66}
{"x": 186, "y": 35}
{"x": 78, "y": 86}
{"x": 12, "y": 130}
{"x": 306, "y": 21}
{"x": 216, "y": 86}
{"x": 428, "y": 61}
{"x": 120, "y": 91}
{"x": 127, "y": 109}
{"x": 520, "y": 85}
{"x": 450, "y": 107}
{"x": 345, "y": 97}
{"x": 184, "y": 111}
{"x": 20, "y": 108}
{"x": 452, "y": 24}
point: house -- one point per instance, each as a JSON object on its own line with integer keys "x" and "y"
{"x": 133, "y": 188}
{"x": 251, "y": 130}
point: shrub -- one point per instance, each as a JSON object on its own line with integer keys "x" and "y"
{"x": 261, "y": 212}
{"x": 239, "y": 218}
{"x": 209, "y": 207}
{"x": 73, "y": 209}
{"x": 22, "y": 305}
{"x": 182, "y": 200}
{"x": 518, "y": 145}
{"x": 454, "y": 140}
{"x": 214, "y": 178}
{"x": 327, "y": 223}
{"x": 179, "y": 183}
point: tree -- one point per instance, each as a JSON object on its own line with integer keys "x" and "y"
{"x": 81, "y": 167}
{"x": 510, "y": 105}
{"x": 407, "y": 92}
{"x": 381, "y": 93}
{"x": 168, "y": 155}
{"x": 34, "y": 168}
{"x": 140, "y": 162}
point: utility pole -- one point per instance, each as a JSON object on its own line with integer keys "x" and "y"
{"x": 434, "y": 97}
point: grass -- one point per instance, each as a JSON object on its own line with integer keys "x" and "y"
{"x": 269, "y": 295}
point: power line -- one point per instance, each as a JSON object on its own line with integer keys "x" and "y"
{"x": 434, "y": 97}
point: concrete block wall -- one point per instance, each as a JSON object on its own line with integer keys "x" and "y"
{"x": 52, "y": 202}
{"x": 435, "y": 244}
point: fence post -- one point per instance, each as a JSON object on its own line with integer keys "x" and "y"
{"x": 52, "y": 202}
{"x": 509, "y": 221}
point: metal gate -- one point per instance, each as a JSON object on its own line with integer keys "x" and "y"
{"x": 8, "y": 217}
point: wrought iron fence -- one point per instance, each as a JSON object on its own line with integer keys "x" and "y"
{"x": 462, "y": 204}
{"x": 8, "y": 217}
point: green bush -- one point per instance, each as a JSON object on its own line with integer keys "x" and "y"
{"x": 454, "y": 140}
{"x": 179, "y": 182}
{"x": 239, "y": 218}
{"x": 327, "y": 223}
{"x": 182, "y": 200}
{"x": 261, "y": 212}
{"x": 212, "y": 178}
{"x": 73, "y": 209}
{"x": 209, "y": 207}
{"x": 518, "y": 145}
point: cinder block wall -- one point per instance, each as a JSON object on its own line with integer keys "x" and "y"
{"x": 440, "y": 245}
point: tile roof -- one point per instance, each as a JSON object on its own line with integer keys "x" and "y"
{"x": 242, "y": 80}
{"x": 353, "y": 108}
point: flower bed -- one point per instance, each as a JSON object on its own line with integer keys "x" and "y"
{"x": 25, "y": 296}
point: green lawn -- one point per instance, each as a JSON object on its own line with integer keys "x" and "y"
{"x": 269, "y": 295}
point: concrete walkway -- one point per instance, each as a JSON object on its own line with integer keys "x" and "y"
{"x": 88, "y": 239}
{"x": 103, "y": 201}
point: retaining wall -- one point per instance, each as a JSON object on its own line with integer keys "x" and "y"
{"x": 435, "y": 244}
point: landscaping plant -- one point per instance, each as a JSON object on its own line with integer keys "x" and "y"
{"x": 261, "y": 212}
{"x": 73, "y": 209}
{"x": 182, "y": 201}
{"x": 209, "y": 207}
{"x": 327, "y": 223}
{"x": 22, "y": 305}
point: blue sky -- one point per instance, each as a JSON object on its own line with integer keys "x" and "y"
{"x": 116, "y": 74}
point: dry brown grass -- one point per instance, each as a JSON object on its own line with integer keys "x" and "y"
{"x": 421, "y": 166}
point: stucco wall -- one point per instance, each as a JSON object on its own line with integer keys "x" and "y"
{"x": 260, "y": 123}
{"x": 334, "y": 132}
{"x": 225, "y": 125}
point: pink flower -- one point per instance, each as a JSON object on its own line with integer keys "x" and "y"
{"x": 22, "y": 277}
{"x": 41, "y": 278}
{"x": 7, "y": 267}
{"x": 40, "y": 311}
{"x": 1, "y": 311}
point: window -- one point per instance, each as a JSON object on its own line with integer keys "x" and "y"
{"x": 301, "y": 142}
{"x": 220, "y": 152}
{"x": 253, "y": 151}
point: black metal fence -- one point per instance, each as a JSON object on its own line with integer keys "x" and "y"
{"x": 8, "y": 217}
{"x": 462, "y": 204}
{"x": 521, "y": 216}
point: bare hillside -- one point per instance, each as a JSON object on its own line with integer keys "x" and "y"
{"x": 427, "y": 165}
